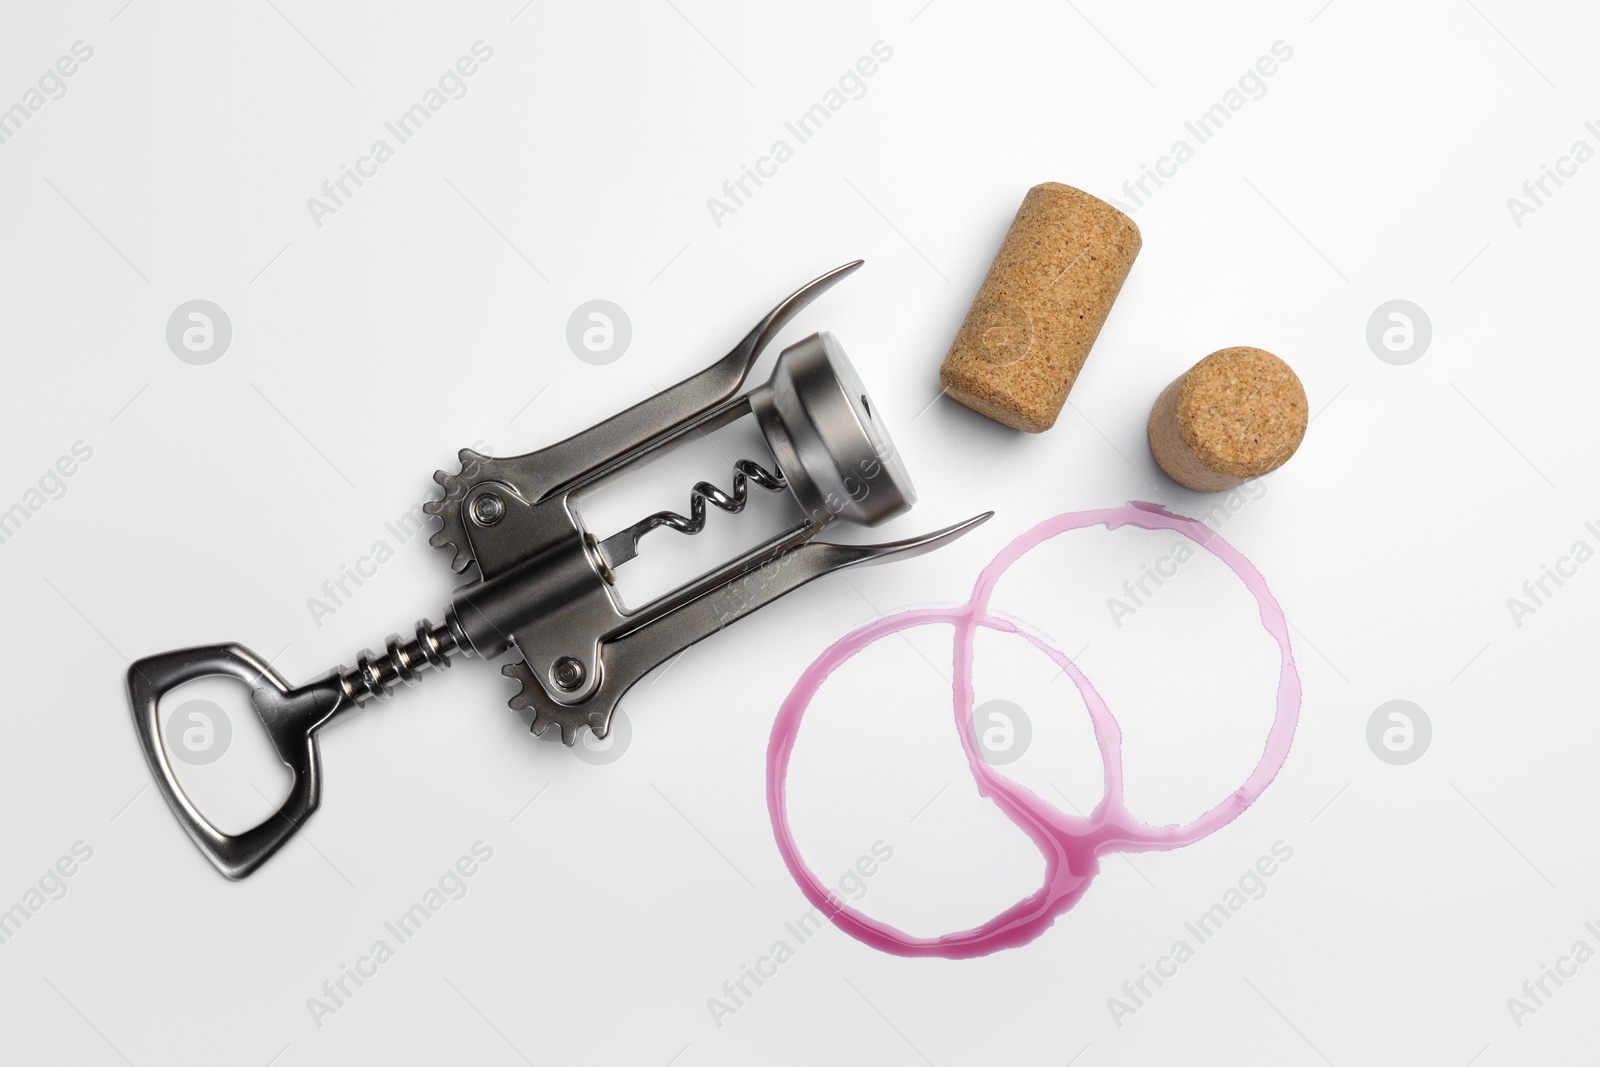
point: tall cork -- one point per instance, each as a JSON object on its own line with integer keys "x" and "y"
{"x": 1041, "y": 307}
{"x": 1236, "y": 415}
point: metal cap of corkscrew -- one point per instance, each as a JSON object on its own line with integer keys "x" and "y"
{"x": 833, "y": 457}
{"x": 838, "y": 459}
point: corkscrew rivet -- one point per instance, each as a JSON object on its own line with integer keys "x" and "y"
{"x": 488, "y": 509}
{"x": 568, "y": 672}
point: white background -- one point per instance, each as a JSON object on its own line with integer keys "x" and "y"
{"x": 430, "y": 312}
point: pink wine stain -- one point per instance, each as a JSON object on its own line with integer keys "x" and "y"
{"x": 1072, "y": 845}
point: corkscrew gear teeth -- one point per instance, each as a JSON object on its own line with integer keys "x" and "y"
{"x": 567, "y": 720}
{"x": 545, "y": 586}
{"x": 452, "y": 532}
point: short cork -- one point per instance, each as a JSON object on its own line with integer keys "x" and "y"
{"x": 1041, "y": 307}
{"x": 1236, "y": 415}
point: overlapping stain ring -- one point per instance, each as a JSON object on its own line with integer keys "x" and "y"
{"x": 1071, "y": 844}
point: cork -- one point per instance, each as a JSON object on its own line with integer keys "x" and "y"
{"x": 1041, "y": 307}
{"x": 1236, "y": 415}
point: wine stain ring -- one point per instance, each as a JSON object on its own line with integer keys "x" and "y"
{"x": 1071, "y": 844}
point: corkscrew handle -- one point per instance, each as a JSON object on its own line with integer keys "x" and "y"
{"x": 291, "y": 717}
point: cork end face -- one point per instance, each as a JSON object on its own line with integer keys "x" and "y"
{"x": 1241, "y": 412}
{"x": 981, "y": 396}
{"x": 1109, "y": 215}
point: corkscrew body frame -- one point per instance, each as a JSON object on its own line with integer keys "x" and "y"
{"x": 546, "y": 584}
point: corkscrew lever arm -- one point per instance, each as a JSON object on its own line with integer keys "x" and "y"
{"x": 630, "y": 656}
{"x": 540, "y": 473}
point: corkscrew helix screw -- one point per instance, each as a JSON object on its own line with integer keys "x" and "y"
{"x": 624, "y": 545}
{"x": 546, "y": 586}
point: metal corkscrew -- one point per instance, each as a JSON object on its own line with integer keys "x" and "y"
{"x": 546, "y": 585}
